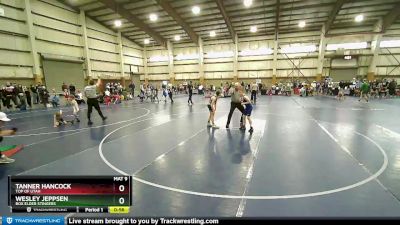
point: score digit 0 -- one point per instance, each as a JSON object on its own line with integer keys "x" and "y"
{"x": 121, "y": 188}
{"x": 121, "y": 201}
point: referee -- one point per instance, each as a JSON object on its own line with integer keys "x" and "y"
{"x": 190, "y": 92}
{"x": 92, "y": 101}
{"x": 235, "y": 104}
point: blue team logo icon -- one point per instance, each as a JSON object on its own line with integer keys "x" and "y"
{"x": 9, "y": 220}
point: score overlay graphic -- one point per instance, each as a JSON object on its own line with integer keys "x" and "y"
{"x": 89, "y": 194}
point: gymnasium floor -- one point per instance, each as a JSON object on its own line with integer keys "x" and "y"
{"x": 307, "y": 157}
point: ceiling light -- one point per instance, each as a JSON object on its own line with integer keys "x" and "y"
{"x": 159, "y": 58}
{"x": 187, "y": 57}
{"x": 390, "y": 44}
{"x": 357, "y": 45}
{"x": 248, "y": 3}
{"x": 256, "y": 52}
{"x": 296, "y": 48}
{"x": 196, "y": 9}
{"x": 118, "y": 23}
{"x": 146, "y": 41}
{"x": 177, "y": 38}
{"x": 302, "y": 24}
{"x": 359, "y": 18}
{"x": 214, "y": 55}
{"x": 212, "y": 33}
{"x": 253, "y": 29}
{"x": 153, "y": 17}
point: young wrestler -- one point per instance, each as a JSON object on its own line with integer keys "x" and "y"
{"x": 59, "y": 120}
{"x": 212, "y": 107}
{"x": 75, "y": 108}
{"x": 247, "y": 112}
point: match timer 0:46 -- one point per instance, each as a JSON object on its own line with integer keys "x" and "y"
{"x": 69, "y": 193}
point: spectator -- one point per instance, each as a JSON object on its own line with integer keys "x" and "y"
{"x": 35, "y": 94}
{"x": 64, "y": 87}
{"x": 71, "y": 89}
{"x": 28, "y": 96}
{"x": 132, "y": 88}
{"x": 392, "y": 87}
{"x": 364, "y": 91}
{"x": 79, "y": 97}
{"x": 190, "y": 92}
{"x": 9, "y": 92}
{"x": 45, "y": 96}
{"x": 55, "y": 100}
{"x": 201, "y": 92}
{"x": 23, "y": 103}
{"x": 254, "y": 90}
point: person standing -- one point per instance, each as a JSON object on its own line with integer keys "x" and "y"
{"x": 119, "y": 88}
{"x": 19, "y": 92}
{"x": 132, "y": 88}
{"x": 79, "y": 97}
{"x": 40, "y": 90}
{"x": 92, "y": 101}
{"x": 44, "y": 96}
{"x": 170, "y": 94}
{"x": 201, "y": 89}
{"x": 28, "y": 96}
{"x": 392, "y": 88}
{"x": 364, "y": 90}
{"x": 164, "y": 93}
{"x": 190, "y": 92}
{"x": 22, "y": 101}
{"x": 212, "y": 107}
{"x": 107, "y": 97}
{"x": 35, "y": 94}
{"x": 64, "y": 87}
{"x": 249, "y": 108}
{"x": 2, "y": 98}
{"x": 235, "y": 103}
{"x": 3, "y": 118}
{"x": 154, "y": 93}
{"x": 75, "y": 108}
{"x": 71, "y": 89}
{"x": 55, "y": 100}
{"x": 9, "y": 92}
{"x": 254, "y": 90}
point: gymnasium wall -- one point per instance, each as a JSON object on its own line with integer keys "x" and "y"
{"x": 255, "y": 67}
{"x": 58, "y": 31}
{"x": 299, "y": 66}
{"x": 16, "y": 61}
{"x": 186, "y": 69}
{"x": 389, "y": 58}
{"x": 218, "y": 68}
{"x": 157, "y": 70}
{"x": 306, "y": 62}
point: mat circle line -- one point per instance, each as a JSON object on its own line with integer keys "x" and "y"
{"x": 252, "y": 197}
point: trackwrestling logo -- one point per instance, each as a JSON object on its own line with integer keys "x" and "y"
{"x": 50, "y": 220}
